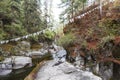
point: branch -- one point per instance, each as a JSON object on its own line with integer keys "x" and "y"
{"x": 108, "y": 59}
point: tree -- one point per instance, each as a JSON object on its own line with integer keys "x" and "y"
{"x": 32, "y": 16}
{"x": 11, "y": 18}
{"x": 19, "y": 17}
{"x": 72, "y": 7}
{"x": 48, "y": 17}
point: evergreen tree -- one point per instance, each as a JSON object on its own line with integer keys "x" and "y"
{"x": 72, "y": 7}
{"x": 32, "y": 16}
{"x": 19, "y": 17}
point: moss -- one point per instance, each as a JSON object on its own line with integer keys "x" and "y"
{"x": 111, "y": 79}
{"x": 1, "y": 58}
{"x": 36, "y": 60}
{"x": 7, "y": 47}
{"x": 36, "y": 46}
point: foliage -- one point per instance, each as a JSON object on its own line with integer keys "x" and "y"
{"x": 49, "y": 34}
{"x": 33, "y": 39}
{"x": 7, "y": 48}
{"x": 66, "y": 40}
{"x": 105, "y": 40}
{"x": 2, "y": 34}
{"x": 19, "y": 17}
{"x": 15, "y": 30}
{"x": 110, "y": 26}
{"x": 71, "y": 7}
{"x": 32, "y": 16}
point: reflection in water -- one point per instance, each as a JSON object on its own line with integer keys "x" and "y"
{"x": 19, "y": 74}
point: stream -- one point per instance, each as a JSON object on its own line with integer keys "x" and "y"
{"x": 58, "y": 55}
{"x": 20, "y": 74}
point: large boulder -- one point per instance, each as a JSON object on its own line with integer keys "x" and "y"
{"x": 63, "y": 71}
{"x": 17, "y": 62}
{"x": 20, "y": 62}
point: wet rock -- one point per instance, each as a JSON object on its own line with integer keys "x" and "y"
{"x": 17, "y": 62}
{"x": 5, "y": 69}
{"x": 20, "y": 62}
{"x": 57, "y": 48}
{"x": 63, "y": 71}
{"x": 5, "y": 72}
{"x": 21, "y": 49}
{"x": 61, "y": 55}
{"x": 39, "y": 53}
{"x": 106, "y": 71}
{"x": 23, "y": 46}
{"x": 58, "y": 52}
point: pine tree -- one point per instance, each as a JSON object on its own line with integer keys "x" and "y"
{"x": 72, "y": 7}
{"x": 32, "y": 16}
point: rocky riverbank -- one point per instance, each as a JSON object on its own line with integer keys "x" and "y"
{"x": 51, "y": 70}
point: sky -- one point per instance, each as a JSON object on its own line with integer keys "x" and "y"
{"x": 56, "y": 10}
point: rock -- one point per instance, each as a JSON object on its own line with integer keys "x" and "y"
{"x": 52, "y": 52}
{"x": 44, "y": 51}
{"x": 57, "y": 48}
{"x": 35, "y": 53}
{"x": 106, "y": 71}
{"x": 18, "y": 62}
{"x": 63, "y": 71}
{"x": 61, "y": 55}
{"x": 5, "y": 72}
{"x": 39, "y": 53}
{"x": 21, "y": 48}
{"x": 24, "y": 46}
{"x": 5, "y": 69}
{"x": 58, "y": 52}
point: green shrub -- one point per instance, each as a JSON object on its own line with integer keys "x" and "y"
{"x": 66, "y": 40}
{"x": 33, "y": 39}
{"x": 49, "y": 34}
{"x": 2, "y": 34}
{"x": 110, "y": 26}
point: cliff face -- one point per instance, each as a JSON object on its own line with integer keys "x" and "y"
{"x": 99, "y": 35}
{"x": 92, "y": 28}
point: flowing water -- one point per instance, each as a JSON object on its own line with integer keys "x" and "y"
{"x": 20, "y": 74}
